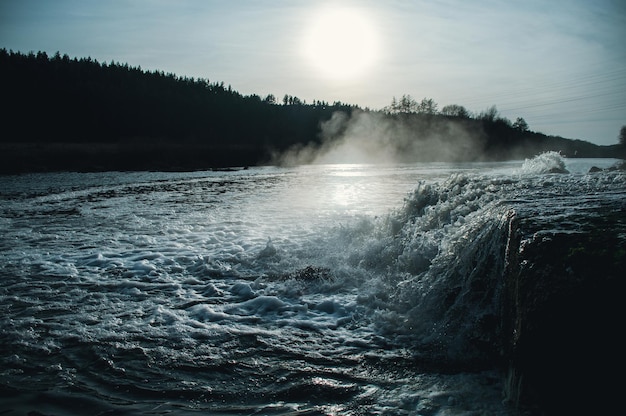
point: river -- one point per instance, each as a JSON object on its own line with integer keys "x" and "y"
{"x": 311, "y": 290}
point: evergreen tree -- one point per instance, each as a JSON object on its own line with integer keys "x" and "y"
{"x": 520, "y": 124}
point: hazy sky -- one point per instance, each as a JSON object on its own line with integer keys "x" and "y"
{"x": 561, "y": 65}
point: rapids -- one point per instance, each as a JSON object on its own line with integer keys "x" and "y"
{"x": 332, "y": 289}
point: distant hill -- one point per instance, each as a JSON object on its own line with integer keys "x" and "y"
{"x": 79, "y": 114}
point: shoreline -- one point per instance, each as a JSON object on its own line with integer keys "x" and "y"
{"x": 22, "y": 158}
{"x": 140, "y": 155}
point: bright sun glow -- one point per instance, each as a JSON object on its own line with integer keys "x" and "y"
{"x": 341, "y": 43}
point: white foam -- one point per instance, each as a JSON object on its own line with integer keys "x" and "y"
{"x": 548, "y": 162}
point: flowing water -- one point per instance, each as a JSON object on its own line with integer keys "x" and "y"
{"x": 313, "y": 290}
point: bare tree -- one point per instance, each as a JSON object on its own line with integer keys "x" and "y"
{"x": 408, "y": 104}
{"x": 427, "y": 106}
{"x": 455, "y": 110}
{"x": 490, "y": 114}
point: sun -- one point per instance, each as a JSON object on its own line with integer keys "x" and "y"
{"x": 341, "y": 43}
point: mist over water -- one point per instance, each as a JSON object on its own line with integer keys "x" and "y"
{"x": 320, "y": 289}
{"x": 378, "y": 138}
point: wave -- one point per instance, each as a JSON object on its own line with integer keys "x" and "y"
{"x": 548, "y": 162}
{"x": 430, "y": 270}
{"x": 430, "y": 275}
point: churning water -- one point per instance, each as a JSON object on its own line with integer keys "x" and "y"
{"x": 335, "y": 289}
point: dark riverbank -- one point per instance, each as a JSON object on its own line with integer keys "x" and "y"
{"x": 101, "y": 157}
{"x": 17, "y": 158}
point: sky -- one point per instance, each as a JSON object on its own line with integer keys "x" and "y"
{"x": 560, "y": 65}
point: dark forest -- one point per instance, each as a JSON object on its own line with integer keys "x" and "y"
{"x": 61, "y": 113}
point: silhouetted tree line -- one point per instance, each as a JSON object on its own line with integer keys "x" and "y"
{"x": 496, "y": 136}
{"x": 58, "y": 98}
{"x": 134, "y": 119}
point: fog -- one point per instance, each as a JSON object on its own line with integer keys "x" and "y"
{"x": 381, "y": 138}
